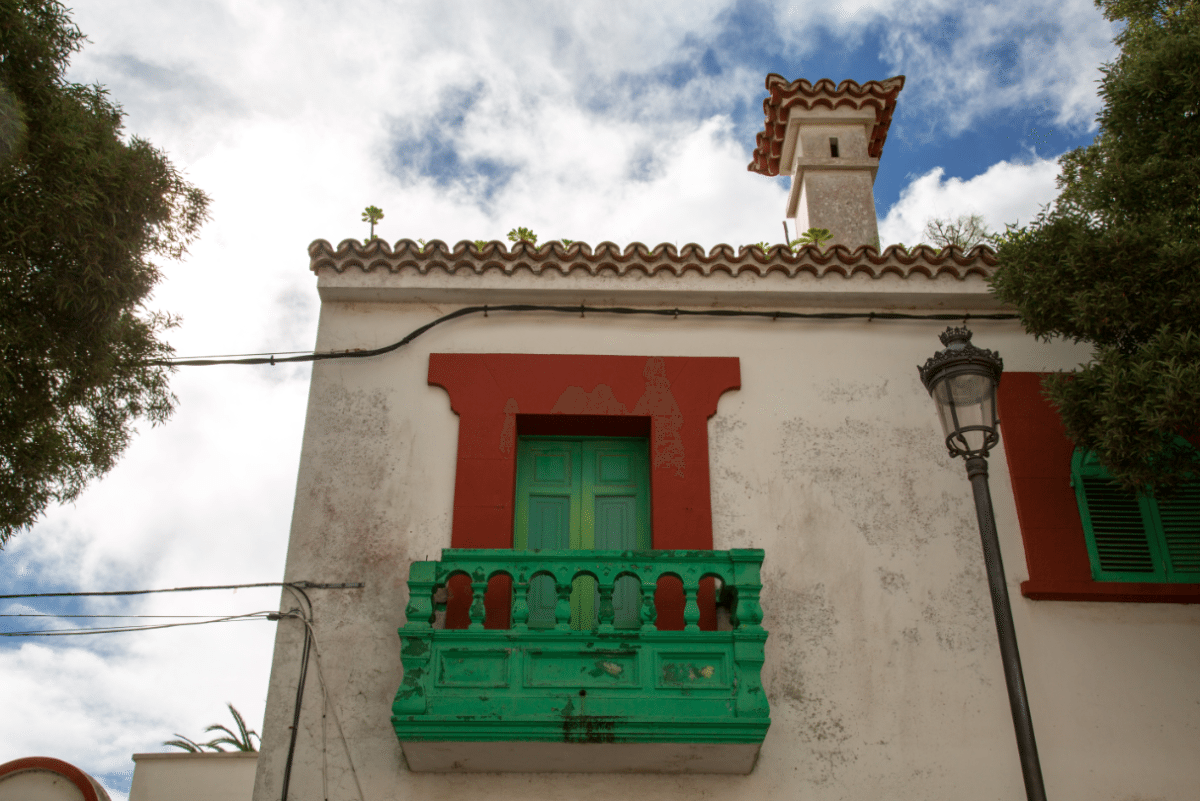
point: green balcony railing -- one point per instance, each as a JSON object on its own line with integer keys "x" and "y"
{"x": 550, "y": 678}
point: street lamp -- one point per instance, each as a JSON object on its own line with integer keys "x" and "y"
{"x": 962, "y": 380}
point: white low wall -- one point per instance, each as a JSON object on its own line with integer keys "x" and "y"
{"x": 194, "y": 777}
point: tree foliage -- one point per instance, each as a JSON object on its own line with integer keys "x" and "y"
{"x": 1115, "y": 261}
{"x": 82, "y": 211}
{"x": 964, "y": 231}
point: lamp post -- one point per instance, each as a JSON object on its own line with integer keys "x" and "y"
{"x": 962, "y": 380}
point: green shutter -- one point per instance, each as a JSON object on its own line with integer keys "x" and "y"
{"x": 1119, "y": 541}
{"x": 583, "y": 493}
{"x": 1180, "y": 520}
{"x": 1134, "y": 537}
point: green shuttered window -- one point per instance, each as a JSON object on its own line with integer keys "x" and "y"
{"x": 1132, "y": 537}
{"x": 583, "y": 493}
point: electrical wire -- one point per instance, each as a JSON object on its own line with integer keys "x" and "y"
{"x": 123, "y": 629}
{"x": 303, "y": 585}
{"x": 46, "y": 614}
{"x": 295, "y": 727}
{"x": 304, "y": 614}
{"x": 582, "y": 310}
{"x": 328, "y": 704}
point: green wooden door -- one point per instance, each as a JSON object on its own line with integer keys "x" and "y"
{"x": 583, "y": 493}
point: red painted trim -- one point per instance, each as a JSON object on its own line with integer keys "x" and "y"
{"x": 500, "y": 395}
{"x": 65, "y": 769}
{"x": 493, "y": 393}
{"x": 1039, "y": 464}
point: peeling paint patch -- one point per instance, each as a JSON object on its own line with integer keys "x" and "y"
{"x": 508, "y": 434}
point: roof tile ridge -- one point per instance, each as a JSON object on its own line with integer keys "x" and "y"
{"x": 777, "y": 85}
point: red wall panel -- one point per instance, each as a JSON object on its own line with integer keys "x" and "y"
{"x": 1039, "y": 463}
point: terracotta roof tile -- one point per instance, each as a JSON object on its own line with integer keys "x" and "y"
{"x": 665, "y": 258}
{"x": 782, "y": 96}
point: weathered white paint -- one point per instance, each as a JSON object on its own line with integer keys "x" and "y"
{"x": 882, "y": 667}
{"x": 193, "y": 777}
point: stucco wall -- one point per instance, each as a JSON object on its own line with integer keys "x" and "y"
{"x": 882, "y": 668}
{"x": 193, "y": 777}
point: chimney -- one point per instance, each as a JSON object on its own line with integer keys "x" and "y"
{"x": 829, "y": 139}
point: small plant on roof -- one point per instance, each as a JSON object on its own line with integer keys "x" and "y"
{"x": 372, "y": 215}
{"x": 813, "y": 236}
{"x": 763, "y": 246}
{"x": 568, "y": 242}
{"x": 241, "y": 740}
{"x": 522, "y": 234}
{"x": 480, "y": 244}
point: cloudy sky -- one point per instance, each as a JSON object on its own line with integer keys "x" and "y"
{"x": 621, "y": 121}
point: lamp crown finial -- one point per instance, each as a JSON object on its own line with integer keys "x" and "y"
{"x": 955, "y": 337}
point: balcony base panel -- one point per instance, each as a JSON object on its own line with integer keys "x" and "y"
{"x": 560, "y": 757}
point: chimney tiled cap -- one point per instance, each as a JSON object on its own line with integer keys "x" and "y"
{"x": 879, "y": 95}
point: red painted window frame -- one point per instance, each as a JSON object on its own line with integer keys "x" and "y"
{"x": 500, "y": 396}
{"x": 1039, "y": 466}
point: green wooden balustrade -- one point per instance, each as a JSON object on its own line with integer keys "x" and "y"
{"x": 615, "y": 681}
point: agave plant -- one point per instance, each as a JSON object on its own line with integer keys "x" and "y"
{"x": 241, "y": 740}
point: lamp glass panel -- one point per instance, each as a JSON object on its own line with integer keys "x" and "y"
{"x": 966, "y": 401}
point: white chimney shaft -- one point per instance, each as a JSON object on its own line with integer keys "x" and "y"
{"x": 829, "y": 140}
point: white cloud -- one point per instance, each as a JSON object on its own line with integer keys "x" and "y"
{"x": 966, "y": 65}
{"x": 1007, "y": 193}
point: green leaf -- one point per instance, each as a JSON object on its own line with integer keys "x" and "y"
{"x": 83, "y": 211}
{"x": 1114, "y": 261}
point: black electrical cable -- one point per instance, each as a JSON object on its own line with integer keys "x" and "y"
{"x": 298, "y": 585}
{"x": 46, "y": 614}
{"x": 304, "y": 654}
{"x": 126, "y": 629}
{"x": 581, "y": 309}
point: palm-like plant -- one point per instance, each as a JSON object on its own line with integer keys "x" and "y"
{"x": 240, "y": 741}
{"x": 187, "y": 745}
{"x": 522, "y": 234}
{"x": 372, "y": 215}
{"x": 813, "y": 236}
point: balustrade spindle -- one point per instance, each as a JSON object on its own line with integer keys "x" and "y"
{"x": 478, "y": 610}
{"x": 691, "y": 608}
{"x": 562, "y": 607}
{"x": 649, "y": 610}
{"x": 606, "y": 605}
{"x": 520, "y": 606}
{"x": 419, "y": 611}
{"x": 748, "y": 584}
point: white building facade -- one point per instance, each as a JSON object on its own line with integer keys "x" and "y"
{"x": 823, "y": 630}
